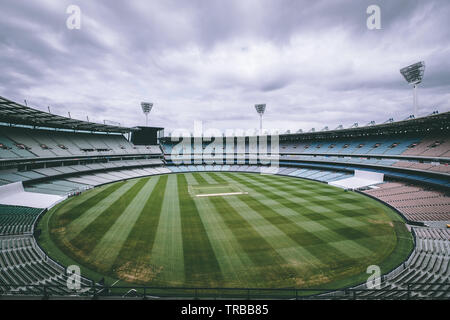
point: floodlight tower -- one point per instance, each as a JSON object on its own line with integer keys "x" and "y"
{"x": 413, "y": 74}
{"x": 260, "y": 108}
{"x": 146, "y": 108}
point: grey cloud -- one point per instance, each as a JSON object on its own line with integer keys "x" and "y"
{"x": 313, "y": 62}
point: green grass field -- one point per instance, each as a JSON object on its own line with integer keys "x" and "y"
{"x": 281, "y": 232}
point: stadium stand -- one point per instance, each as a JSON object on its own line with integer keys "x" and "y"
{"x": 318, "y": 175}
{"x": 17, "y": 220}
{"x": 54, "y": 155}
{"x": 426, "y": 273}
{"x": 25, "y": 269}
{"x": 24, "y": 143}
{"x": 415, "y": 202}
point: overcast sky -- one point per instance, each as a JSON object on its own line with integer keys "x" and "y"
{"x": 315, "y": 63}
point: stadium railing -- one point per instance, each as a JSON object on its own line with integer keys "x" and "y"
{"x": 142, "y": 292}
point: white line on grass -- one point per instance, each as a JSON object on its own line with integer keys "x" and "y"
{"x": 114, "y": 283}
{"x": 221, "y": 194}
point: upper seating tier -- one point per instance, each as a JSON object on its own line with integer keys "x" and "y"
{"x": 27, "y": 143}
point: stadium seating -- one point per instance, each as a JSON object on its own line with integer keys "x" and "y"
{"x": 319, "y": 175}
{"x": 61, "y": 173}
{"x": 17, "y": 220}
{"x": 25, "y": 269}
{"x": 62, "y": 162}
{"x": 24, "y": 143}
{"x": 22, "y": 263}
{"x": 415, "y": 146}
{"x": 436, "y": 146}
{"x": 426, "y": 269}
{"x": 415, "y": 202}
{"x": 393, "y": 154}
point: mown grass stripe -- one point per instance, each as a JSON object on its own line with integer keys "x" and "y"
{"x": 365, "y": 233}
{"x": 260, "y": 251}
{"x": 74, "y": 209}
{"x": 367, "y": 236}
{"x": 200, "y": 263}
{"x": 318, "y": 200}
{"x": 257, "y": 248}
{"x": 84, "y": 196}
{"x": 316, "y": 245}
{"x": 264, "y": 192}
{"x": 237, "y": 268}
{"x": 167, "y": 249}
{"x": 107, "y": 250}
{"x": 362, "y": 242}
{"x": 91, "y": 213}
{"x": 321, "y": 196}
{"x": 297, "y": 256}
{"x": 305, "y": 185}
{"x": 287, "y": 247}
{"x": 207, "y": 178}
{"x": 86, "y": 240}
{"x": 200, "y": 179}
{"x": 133, "y": 260}
{"x": 313, "y": 208}
{"x": 286, "y": 224}
{"x": 190, "y": 179}
{"x": 218, "y": 178}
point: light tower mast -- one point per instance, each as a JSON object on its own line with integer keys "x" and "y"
{"x": 413, "y": 74}
{"x": 260, "y": 108}
{"x": 146, "y": 108}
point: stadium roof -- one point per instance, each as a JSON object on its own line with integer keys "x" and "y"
{"x": 431, "y": 123}
{"x": 434, "y": 123}
{"x": 15, "y": 113}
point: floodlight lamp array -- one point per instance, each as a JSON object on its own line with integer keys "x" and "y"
{"x": 413, "y": 74}
{"x": 146, "y": 107}
{"x": 260, "y": 108}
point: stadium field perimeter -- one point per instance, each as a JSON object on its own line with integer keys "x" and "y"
{"x": 281, "y": 232}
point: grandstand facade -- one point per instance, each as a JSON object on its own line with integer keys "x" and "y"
{"x": 45, "y": 154}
